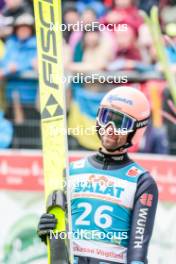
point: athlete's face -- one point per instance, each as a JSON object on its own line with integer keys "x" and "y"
{"x": 111, "y": 140}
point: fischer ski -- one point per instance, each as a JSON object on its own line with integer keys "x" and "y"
{"x": 53, "y": 123}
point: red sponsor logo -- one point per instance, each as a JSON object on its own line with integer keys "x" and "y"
{"x": 133, "y": 172}
{"x": 146, "y": 199}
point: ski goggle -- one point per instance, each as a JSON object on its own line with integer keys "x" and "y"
{"x": 120, "y": 121}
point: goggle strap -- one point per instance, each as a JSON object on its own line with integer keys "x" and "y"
{"x": 142, "y": 123}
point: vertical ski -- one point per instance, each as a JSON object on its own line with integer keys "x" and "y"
{"x": 154, "y": 26}
{"x": 53, "y": 121}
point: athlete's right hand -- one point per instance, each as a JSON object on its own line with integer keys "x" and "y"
{"x": 46, "y": 224}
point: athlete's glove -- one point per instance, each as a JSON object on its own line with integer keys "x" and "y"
{"x": 46, "y": 224}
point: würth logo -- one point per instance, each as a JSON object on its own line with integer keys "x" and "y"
{"x": 146, "y": 199}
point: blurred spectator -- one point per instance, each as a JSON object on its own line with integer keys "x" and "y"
{"x": 128, "y": 55}
{"x": 30, "y": 3}
{"x": 25, "y": 118}
{"x": 15, "y": 8}
{"x": 126, "y": 42}
{"x": 155, "y": 141}
{"x": 21, "y": 91}
{"x": 84, "y": 52}
{"x": 6, "y": 131}
{"x": 20, "y": 48}
{"x": 169, "y": 122}
{"x": 10, "y": 12}
{"x": 91, "y": 53}
{"x": 67, "y": 53}
{"x": 170, "y": 42}
{"x": 88, "y": 16}
{"x": 147, "y": 5}
{"x": 124, "y": 10}
{"x": 70, "y": 17}
{"x": 96, "y": 5}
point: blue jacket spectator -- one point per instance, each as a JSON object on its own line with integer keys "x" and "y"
{"x": 6, "y": 132}
{"x": 20, "y": 57}
{"x": 20, "y": 48}
{"x": 20, "y": 53}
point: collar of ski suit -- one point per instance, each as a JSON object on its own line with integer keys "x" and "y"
{"x": 103, "y": 160}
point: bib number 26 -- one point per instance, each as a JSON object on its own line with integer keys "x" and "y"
{"x": 101, "y": 219}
